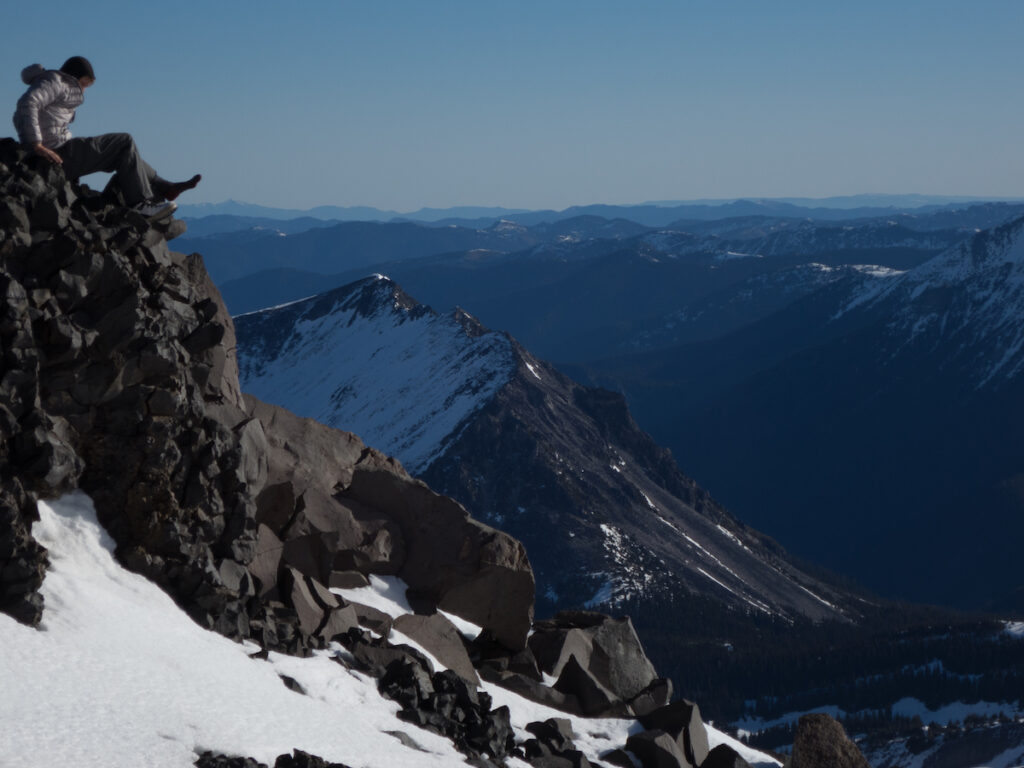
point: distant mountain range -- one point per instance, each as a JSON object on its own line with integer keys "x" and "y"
{"x": 724, "y": 338}
{"x": 650, "y": 214}
{"x": 873, "y": 423}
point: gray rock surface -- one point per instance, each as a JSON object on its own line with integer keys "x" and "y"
{"x": 681, "y": 720}
{"x": 441, "y": 638}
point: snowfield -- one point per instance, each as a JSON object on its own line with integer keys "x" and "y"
{"x": 410, "y": 376}
{"x": 118, "y": 676}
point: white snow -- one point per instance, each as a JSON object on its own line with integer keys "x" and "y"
{"x": 385, "y": 593}
{"x": 968, "y": 298}
{"x": 957, "y": 711}
{"x": 1015, "y": 629}
{"x": 533, "y": 371}
{"x": 752, "y": 756}
{"x": 749, "y": 726}
{"x": 467, "y": 629}
{"x": 403, "y": 380}
{"x": 117, "y": 675}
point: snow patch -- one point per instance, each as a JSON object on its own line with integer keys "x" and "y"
{"x": 403, "y": 378}
{"x": 118, "y": 672}
{"x": 957, "y": 711}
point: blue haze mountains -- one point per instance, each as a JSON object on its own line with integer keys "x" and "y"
{"x": 686, "y": 320}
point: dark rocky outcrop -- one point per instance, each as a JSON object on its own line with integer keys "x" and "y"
{"x": 445, "y": 703}
{"x": 821, "y": 742}
{"x": 297, "y": 759}
{"x": 119, "y": 378}
{"x": 599, "y": 661}
{"x": 681, "y": 720}
{"x": 553, "y": 746}
{"x": 332, "y": 508}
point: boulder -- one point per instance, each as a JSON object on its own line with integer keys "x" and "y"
{"x": 601, "y": 656}
{"x": 264, "y": 565}
{"x": 441, "y": 639}
{"x": 594, "y": 699}
{"x": 486, "y": 652}
{"x": 347, "y": 580}
{"x": 373, "y": 618}
{"x": 724, "y": 756}
{"x": 681, "y": 720}
{"x": 533, "y": 690}
{"x": 552, "y": 745}
{"x": 463, "y": 566}
{"x": 821, "y": 742}
{"x": 657, "y": 749}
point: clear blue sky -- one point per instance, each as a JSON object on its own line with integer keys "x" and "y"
{"x": 546, "y": 104}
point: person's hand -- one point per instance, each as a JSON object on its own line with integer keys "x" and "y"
{"x": 48, "y": 153}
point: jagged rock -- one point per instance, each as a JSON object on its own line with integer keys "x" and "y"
{"x": 463, "y": 566}
{"x": 600, "y": 661}
{"x": 655, "y": 696}
{"x": 681, "y": 720}
{"x": 406, "y": 740}
{"x": 380, "y": 520}
{"x": 446, "y": 704}
{"x": 618, "y": 757}
{"x": 441, "y": 638}
{"x": 553, "y": 745}
{"x": 347, "y": 580}
{"x": 556, "y": 732}
{"x": 212, "y": 760}
{"x": 300, "y": 759}
{"x": 291, "y": 684}
{"x": 724, "y": 756}
{"x": 488, "y": 654}
{"x": 533, "y": 690}
{"x": 376, "y": 655}
{"x": 267, "y": 560}
{"x": 594, "y": 699}
{"x": 372, "y": 618}
{"x": 297, "y": 759}
{"x": 821, "y": 742}
{"x": 657, "y": 749}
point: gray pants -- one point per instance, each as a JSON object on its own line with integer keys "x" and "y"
{"x": 111, "y": 153}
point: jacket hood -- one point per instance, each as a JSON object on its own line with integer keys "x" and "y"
{"x": 31, "y": 72}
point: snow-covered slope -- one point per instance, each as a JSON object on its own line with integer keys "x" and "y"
{"x": 117, "y": 675}
{"x": 965, "y": 305}
{"x": 410, "y": 376}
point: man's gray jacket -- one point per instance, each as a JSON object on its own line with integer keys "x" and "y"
{"x": 48, "y": 106}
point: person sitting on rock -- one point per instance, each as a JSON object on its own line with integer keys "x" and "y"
{"x": 42, "y": 118}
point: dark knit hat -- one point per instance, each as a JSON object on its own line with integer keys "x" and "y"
{"x": 78, "y": 67}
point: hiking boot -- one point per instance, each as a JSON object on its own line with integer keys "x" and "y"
{"x": 155, "y": 211}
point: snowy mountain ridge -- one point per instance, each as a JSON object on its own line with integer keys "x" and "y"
{"x": 967, "y": 301}
{"x": 412, "y": 376}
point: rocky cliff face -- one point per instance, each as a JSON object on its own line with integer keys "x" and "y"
{"x": 120, "y": 379}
